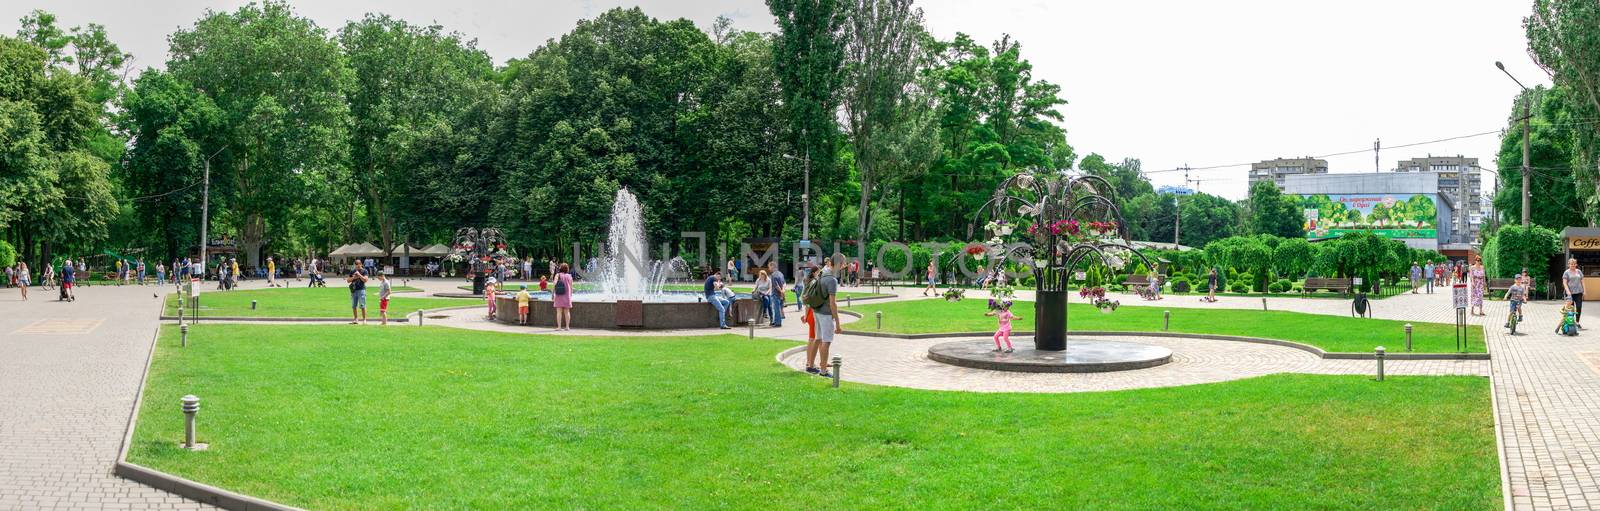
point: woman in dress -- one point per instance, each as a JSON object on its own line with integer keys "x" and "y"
{"x": 1480, "y": 282}
{"x": 562, "y": 298}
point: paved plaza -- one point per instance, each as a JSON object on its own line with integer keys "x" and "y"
{"x": 69, "y": 373}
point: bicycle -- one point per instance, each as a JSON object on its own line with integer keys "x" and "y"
{"x": 1514, "y": 317}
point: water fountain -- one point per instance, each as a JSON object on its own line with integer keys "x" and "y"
{"x": 628, "y": 289}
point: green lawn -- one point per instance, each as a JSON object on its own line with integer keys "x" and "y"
{"x": 306, "y": 302}
{"x": 353, "y": 417}
{"x": 1331, "y": 333}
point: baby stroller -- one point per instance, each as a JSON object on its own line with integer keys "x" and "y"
{"x": 317, "y": 281}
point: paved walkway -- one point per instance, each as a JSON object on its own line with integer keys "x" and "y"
{"x": 69, "y": 373}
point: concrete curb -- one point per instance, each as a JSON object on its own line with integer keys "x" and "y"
{"x": 163, "y": 481}
{"x": 1257, "y": 340}
{"x": 239, "y": 319}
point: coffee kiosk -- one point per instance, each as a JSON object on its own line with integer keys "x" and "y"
{"x": 1583, "y": 244}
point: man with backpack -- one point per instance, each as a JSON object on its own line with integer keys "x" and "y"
{"x": 821, "y": 296}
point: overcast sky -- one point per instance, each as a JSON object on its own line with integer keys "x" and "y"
{"x": 1169, "y": 82}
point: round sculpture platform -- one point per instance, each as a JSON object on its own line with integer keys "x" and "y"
{"x": 1081, "y": 356}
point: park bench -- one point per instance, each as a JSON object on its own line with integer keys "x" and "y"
{"x": 1500, "y": 285}
{"x": 1330, "y": 284}
{"x": 1139, "y": 280}
{"x": 875, "y": 282}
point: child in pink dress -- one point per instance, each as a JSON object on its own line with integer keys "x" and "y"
{"x": 1004, "y": 332}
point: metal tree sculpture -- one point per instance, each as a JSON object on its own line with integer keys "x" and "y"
{"x": 1053, "y": 223}
{"x": 477, "y": 245}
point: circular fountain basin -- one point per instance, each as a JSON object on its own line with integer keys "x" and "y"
{"x": 662, "y": 311}
{"x": 1081, "y": 356}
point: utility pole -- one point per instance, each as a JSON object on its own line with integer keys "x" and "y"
{"x": 205, "y": 211}
{"x": 1177, "y": 211}
{"x": 1525, "y": 167}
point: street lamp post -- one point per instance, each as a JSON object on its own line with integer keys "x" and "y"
{"x": 805, "y": 197}
{"x": 1525, "y": 167}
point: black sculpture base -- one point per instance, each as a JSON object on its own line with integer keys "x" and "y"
{"x": 1081, "y": 356}
{"x": 1050, "y": 321}
{"x": 477, "y": 283}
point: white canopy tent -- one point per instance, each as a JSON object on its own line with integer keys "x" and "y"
{"x": 357, "y": 250}
{"x": 434, "y": 250}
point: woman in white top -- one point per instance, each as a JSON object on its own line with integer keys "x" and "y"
{"x": 22, "y": 279}
{"x": 763, "y": 289}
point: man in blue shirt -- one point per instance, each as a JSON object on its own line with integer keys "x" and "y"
{"x": 68, "y": 277}
{"x": 714, "y": 296}
{"x": 776, "y": 297}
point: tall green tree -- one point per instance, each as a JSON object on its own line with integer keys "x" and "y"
{"x": 172, "y": 126}
{"x": 1272, "y": 212}
{"x": 1551, "y": 153}
{"x": 1562, "y": 38}
{"x": 281, "y": 85}
{"x": 406, "y": 77}
{"x": 882, "y": 53}
{"x": 808, "y": 54}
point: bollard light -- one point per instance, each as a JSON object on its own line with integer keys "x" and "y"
{"x": 752, "y": 324}
{"x": 191, "y": 407}
{"x": 1263, "y": 303}
{"x": 880, "y": 320}
{"x": 180, "y": 314}
{"x": 252, "y": 305}
{"x": 183, "y": 331}
{"x": 836, "y": 364}
{"x": 1166, "y": 320}
{"x": 1408, "y": 336}
{"x": 847, "y": 302}
{"x": 1379, "y": 354}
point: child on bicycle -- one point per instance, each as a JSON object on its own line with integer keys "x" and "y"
{"x": 1516, "y": 294}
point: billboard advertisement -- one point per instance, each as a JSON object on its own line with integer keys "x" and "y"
{"x": 1397, "y": 215}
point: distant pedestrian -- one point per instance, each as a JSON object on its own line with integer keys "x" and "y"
{"x": 140, "y": 270}
{"x": 49, "y": 279}
{"x": 490, "y": 286}
{"x": 1571, "y": 281}
{"x": 384, "y": 290}
{"x": 778, "y": 284}
{"x": 713, "y": 294}
{"x": 1211, "y": 286}
{"x": 23, "y": 279}
{"x": 933, "y": 275}
{"x": 562, "y": 297}
{"x": 272, "y": 272}
{"x": 1427, "y": 273}
{"x": 68, "y": 278}
{"x": 1416, "y": 277}
{"x": 358, "y": 296}
{"x": 1480, "y": 282}
{"x": 761, "y": 294}
{"x": 522, "y": 302}
{"x": 161, "y": 273}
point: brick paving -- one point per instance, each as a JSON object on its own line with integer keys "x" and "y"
{"x": 69, "y": 373}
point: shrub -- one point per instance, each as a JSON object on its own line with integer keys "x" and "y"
{"x": 1281, "y": 286}
{"x": 1180, "y": 285}
{"x": 8, "y": 254}
{"x": 1240, "y": 287}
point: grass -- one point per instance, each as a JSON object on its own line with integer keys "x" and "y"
{"x": 347, "y": 417}
{"x": 305, "y": 302}
{"x": 1331, "y": 333}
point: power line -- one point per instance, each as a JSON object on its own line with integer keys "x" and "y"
{"x": 142, "y": 198}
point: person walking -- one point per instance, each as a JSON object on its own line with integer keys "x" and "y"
{"x": 713, "y": 293}
{"x": 358, "y": 295}
{"x": 68, "y": 278}
{"x": 1572, "y": 281}
{"x": 1480, "y": 283}
{"x": 1211, "y": 286}
{"x": 933, "y": 273}
{"x": 824, "y": 305}
{"x": 384, "y": 290}
{"x": 272, "y": 272}
{"x": 732, "y": 271}
{"x": 561, "y": 297}
{"x": 161, "y": 273}
{"x": 23, "y": 279}
{"x": 1427, "y": 273}
{"x": 777, "y": 294}
{"x": 1416, "y": 277}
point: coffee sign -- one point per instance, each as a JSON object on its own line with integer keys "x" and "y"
{"x": 1586, "y": 243}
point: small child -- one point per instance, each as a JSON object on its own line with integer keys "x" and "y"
{"x": 1569, "y": 319}
{"x": 384, "y": 290}
{"x": 1004, "y": 332}
{"x": 1516, "y": 294}
{"x": 522, "y": 305}
{"x": 488, "y": 295}
{"x": 544, "y": 283}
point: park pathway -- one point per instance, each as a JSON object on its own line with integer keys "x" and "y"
{"x": 69, "y": 373}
